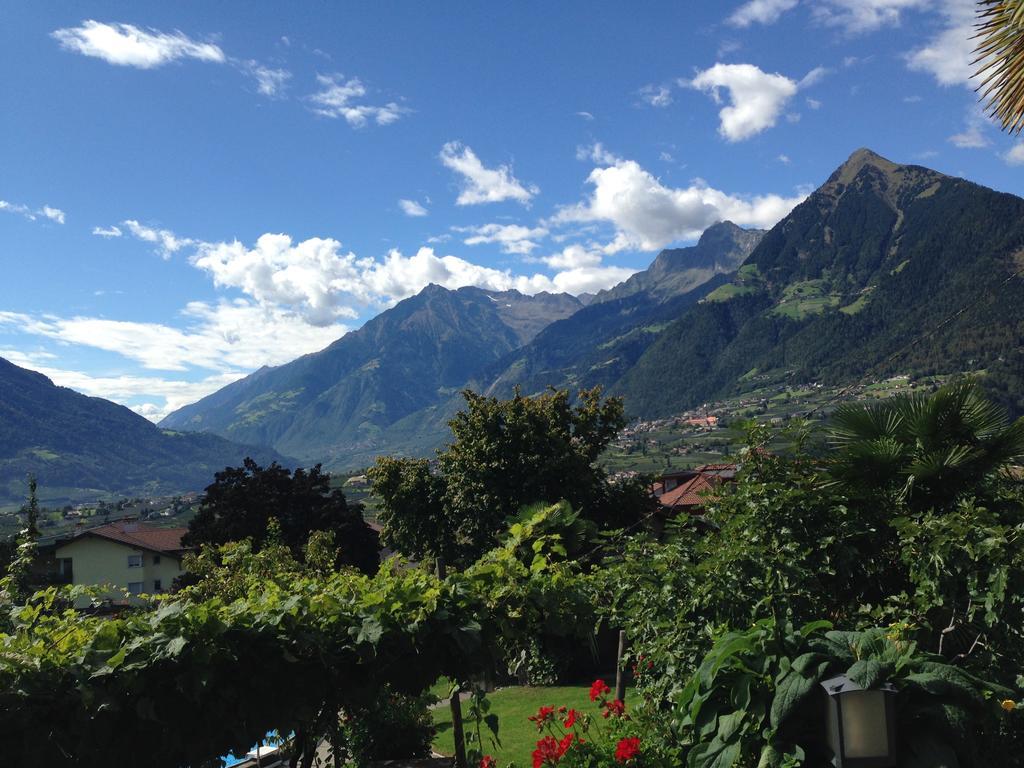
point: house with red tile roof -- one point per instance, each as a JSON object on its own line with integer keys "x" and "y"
{"x": 126, "y": 556}
{"x": 686, "y": 490}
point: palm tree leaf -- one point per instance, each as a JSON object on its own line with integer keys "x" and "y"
{"x": 1000, "y": 60}
{"x": 856, "y": 422}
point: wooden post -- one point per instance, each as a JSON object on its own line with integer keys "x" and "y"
{"x": 620, "y": 673}
{"x": 457, "y": 733}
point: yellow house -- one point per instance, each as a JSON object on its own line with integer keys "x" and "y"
{"x": 128, "y": 556}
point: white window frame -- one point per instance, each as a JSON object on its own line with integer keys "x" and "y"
{"x": 135, "y": 587}
{"x": 134, "y": 561}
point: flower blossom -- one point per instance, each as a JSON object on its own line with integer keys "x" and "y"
{"x": 599, "y": 689}
{"x": 627, "y": 749}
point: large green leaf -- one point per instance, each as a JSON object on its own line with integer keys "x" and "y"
{"x": 796, "y": 685}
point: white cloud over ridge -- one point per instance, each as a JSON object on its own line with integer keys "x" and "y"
{"x": 481, "y": 184}
{"x": 129, "y": 46}
{"x": 341, "y": 97}
{"x": 648, "y": 216}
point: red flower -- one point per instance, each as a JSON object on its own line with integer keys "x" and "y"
{"x": 627, "y": 749}
{"x": 599, "y": 689}
{"x": 544, "y": 715}
{"x": 564, "y": 744}
{"x": 617, "y": 708}
{"x": 488, "y": 762}
{"x": 547, "y": 751}
{"x": 570, "y": 720}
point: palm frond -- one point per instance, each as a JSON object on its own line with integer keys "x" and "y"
{"x": 1000, "y": 61}
{"x": 857, "y": 422}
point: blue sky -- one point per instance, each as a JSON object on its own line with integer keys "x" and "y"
{"x": 191, "y": 190}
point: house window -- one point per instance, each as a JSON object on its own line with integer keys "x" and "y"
{"x": 135, "y": 587}
{"x": 158, "y": 585}
{"x": 134, "y": 561}
{"x": 156, "y": 559}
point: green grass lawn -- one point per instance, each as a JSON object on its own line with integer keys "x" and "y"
{"x": 513, "y": 706}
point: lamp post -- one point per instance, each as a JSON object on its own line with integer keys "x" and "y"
{"x": 861, "y": 724}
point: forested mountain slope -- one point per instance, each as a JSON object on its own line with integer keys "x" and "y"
{"x": 87, "y": 444}
{"x": 411, "y": 357}
{"x": 870, "y": 265}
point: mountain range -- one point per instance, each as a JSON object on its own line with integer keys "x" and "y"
{"x": 884, "y": 269}
{"x": 81, "y": 447}
{"x": 342, "y": 401}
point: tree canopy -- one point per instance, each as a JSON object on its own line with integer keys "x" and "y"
{"x": 241, "y": 501}
{"x": 505, "y": 455}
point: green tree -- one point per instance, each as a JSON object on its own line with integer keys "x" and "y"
{"x": 16, "y": 582}
{"x": 505, "y": 455}
{"x": 412, "y": 512}
{"x": 928, "y": 451}
{"x": 241, "y": 501}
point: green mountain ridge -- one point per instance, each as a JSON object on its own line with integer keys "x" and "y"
{"x": 865, "y": 277}
{"x": 342, "y": 400}
{"x": 884, "y": 269}
{"x": 79, "y": 446}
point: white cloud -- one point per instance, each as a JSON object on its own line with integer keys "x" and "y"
{"x": 269, "y": 81}
{"x": 166, "y": 241}
{"x": 656, "y": 95}
{"x": 813, "y": 77}
{"x": 973, "y": 135}
{"x": 412, "y": 208}
{"x": 225, "y": 337}
{"x": 813, "y": 103}
{"x": 756, "y": 98}
{"x": 573, "y": 257}
{"x": 585, "y": 115}
{"x": 784, "y": 159}
{"x": 513, "y": 238}
{"x": 854, "y": 16}
{"x": 55, "y": 215}
{"x": 108, "y": 232}
{"x": 315, "y": 277}
{"x": 339, "y": 97}
{"x": 481, "y": 184}
{"x": 596, "y": 153}
{"x": 586, "y": 279}
{"x": 648, "y": 215}
{"x": 1015, "y": 155}
{"x": 948, "y": 55}
{"x": 173, "y": 393}
{"x": 760, "y": 12}
{"x": 129, "y": 46}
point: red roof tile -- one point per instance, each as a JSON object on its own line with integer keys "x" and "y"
{"x": 140, "y": 536}
{"x": 689, "y": 493}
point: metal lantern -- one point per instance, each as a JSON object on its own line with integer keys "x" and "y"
{"x": 861, "y": 724}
